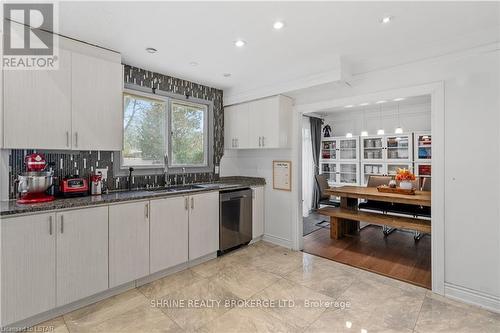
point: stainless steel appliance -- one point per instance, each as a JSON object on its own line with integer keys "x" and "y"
{"x": 235, "y": 219}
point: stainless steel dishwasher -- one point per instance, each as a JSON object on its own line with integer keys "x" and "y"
{"x": 235, "y": 219}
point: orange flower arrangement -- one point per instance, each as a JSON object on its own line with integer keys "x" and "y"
{"x": 405, "y": 175}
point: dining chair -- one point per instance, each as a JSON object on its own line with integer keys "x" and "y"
{"x": 375, "y": 181}
{"x": 325, "y": 199}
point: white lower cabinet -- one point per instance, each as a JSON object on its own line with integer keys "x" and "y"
{"x": 257, "y": 212}
{"x": 82, "y": 253}
{"x": 128, "y": 242}
{"x": 169, "y": 227}
{"x": 203, "y": 224}
{"x": 28, "y": 261}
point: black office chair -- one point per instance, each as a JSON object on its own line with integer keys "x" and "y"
{"x": 325, "y": 199}
{"x": 421, "y": 210}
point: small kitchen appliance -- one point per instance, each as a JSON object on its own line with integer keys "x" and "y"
{"x": 96, "y": 184}
{"x": 73, "y": 185}
{"x": 34, "y": 183}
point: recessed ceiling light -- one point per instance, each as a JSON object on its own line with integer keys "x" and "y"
{"x": 386, "y": 19}
{"x": 193, "y": 63}
{"x": 226, "y": 74}
{"x": 349, "y": 106}
{"x": 151, "y": 50}
{"x": 240, "y": 43}
{"x": 278, "y": 25}
{"x": 380, "y": 102}
{"x": 398, "y": 99}
{"x": 364, "y": 104}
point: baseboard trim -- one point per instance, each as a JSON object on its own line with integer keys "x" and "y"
{"x": 256, "y": 239}
{"x": 487, "y": 301}
{"x": 277, "y": 240}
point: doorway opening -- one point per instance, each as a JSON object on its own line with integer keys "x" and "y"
{"x": 369, "y": 143}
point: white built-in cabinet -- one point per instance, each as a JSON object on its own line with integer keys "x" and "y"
{"x": 203, "y": 224}
{"x": 339, "y": 158}
{"x": 28, "y": 261}
{"x": 82, "y": 253}
{"x": 51, "y": 260}
{"x": 257, "y": 212}
{"x": 263, "y": 123}
{"x": 169, "y": 228}
{"x": 387, "y": 148}
{"x": 77, "y": 106}
{"x": 128, "y": 242}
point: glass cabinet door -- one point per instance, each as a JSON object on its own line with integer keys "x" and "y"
{"x": 423, "y": 147}
{"x": 348, "y": 173}
{"x": 329, "y": 149}
{"x": 392, "y": 168}
{"x": 398, "y": 147}
{"x": 373, "y": 148}
{"x": 371, "y": 169}
{"x": 348, "y": 149}
{"x": 330, "y": 171}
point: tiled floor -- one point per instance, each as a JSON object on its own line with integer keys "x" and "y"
{"x": 297, "y": 292}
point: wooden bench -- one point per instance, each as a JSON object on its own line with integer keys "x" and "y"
{"x": 339, "y": 215}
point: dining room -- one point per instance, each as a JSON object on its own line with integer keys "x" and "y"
{"x": 366, "y": 183}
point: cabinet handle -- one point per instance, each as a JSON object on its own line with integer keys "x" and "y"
{"x": 62, "y": 224}
{"x": 67, "y": 138}
{"x": 76, "y": 139}
{"x": 50, "y": 225}
{"x": 186, "y": 204}
{"x": 260, "y": 141}
{"x": 146, "y": 210}
{"x": 263, "y": 141}
{"x": 237, "y": 143}
{"x": 192, "y": 203}
{"x": 233, "y": 143}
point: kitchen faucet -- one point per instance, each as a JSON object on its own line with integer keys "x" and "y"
{"x": 130, "y": 170}
{"x": 183, "y": 176}
{"x": 165, "y": 170}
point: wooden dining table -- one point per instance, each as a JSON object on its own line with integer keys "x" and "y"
{"x": 346, "y": 219}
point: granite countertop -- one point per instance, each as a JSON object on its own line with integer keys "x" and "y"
{"x": 11, "y": 207}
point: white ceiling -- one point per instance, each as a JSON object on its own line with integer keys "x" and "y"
{"x": 314, "y": 36}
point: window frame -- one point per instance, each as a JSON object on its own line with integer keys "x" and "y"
{"x": 206, "y": 156}
{"x": 167, "y": 97}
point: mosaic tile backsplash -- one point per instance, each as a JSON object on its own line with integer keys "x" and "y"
{"x": 83, "y": 163}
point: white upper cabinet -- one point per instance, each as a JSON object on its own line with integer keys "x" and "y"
{"x": 37, "y": 107}
{"x": 264, "y": 123}
{"x": 96, "y": 103}
{"x": 77, "y": 106}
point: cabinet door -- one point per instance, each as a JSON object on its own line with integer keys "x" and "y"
{"x": 398, "y": 148}
{"x": 37, "y": 107}
{"x": 96, "y": 103}
{"x": 169, "y": 232}
{"x": 28, "y": 266}
{"x": 372, "y": 148}
{"x": 264, "y": 123}
{"x": 82, "y": 253}
{"x": 240, "y": 124}
{"x": 257, "y": 211}
{"x": 128, "y": 242}
{"x": 203, "y": 224}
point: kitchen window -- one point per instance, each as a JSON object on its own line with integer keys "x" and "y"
{"x": 160, "y": 128}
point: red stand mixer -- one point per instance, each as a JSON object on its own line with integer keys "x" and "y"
{"x": 33, "y": 184}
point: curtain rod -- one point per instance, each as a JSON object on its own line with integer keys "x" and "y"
{"x": 305, "y": 115}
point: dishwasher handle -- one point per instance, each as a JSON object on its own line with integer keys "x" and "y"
{"x": 234, "y": 198}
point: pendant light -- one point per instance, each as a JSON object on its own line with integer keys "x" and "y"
{"x": 380, "y": 130}
{"x": 364, "y": 132}
{"x": 399, "y": 129}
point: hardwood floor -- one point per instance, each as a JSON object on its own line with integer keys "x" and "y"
{"x": 397, "y": 255}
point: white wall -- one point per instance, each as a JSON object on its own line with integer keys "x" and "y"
{"x": 413, "y": 117}
{"x": 472, "y": 160}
